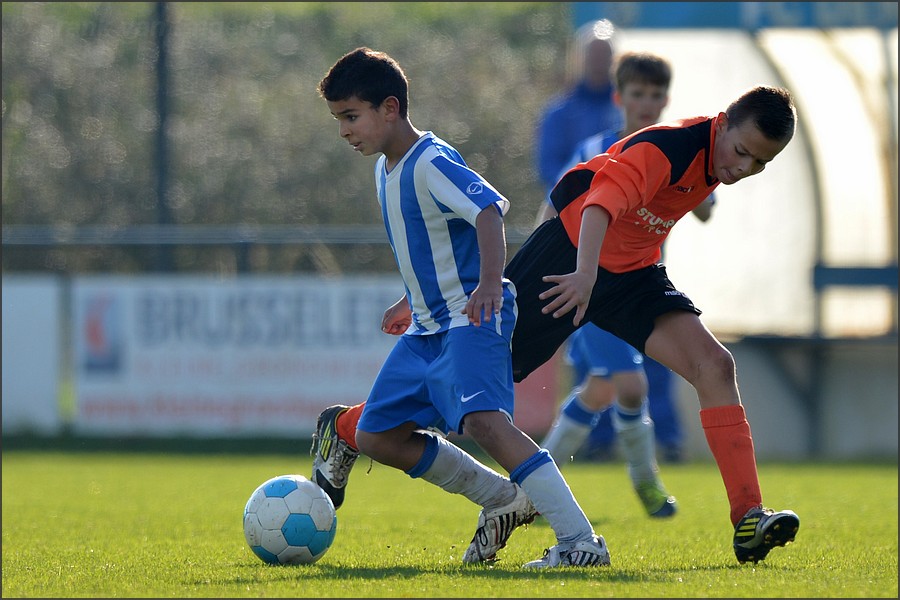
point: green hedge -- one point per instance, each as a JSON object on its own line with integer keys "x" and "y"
{"x": 250, "y": 140}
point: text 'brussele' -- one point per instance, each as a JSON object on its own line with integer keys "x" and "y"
{"x": 269, "y": 318}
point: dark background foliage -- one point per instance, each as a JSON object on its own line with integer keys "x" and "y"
{"x": 250, "y": 141}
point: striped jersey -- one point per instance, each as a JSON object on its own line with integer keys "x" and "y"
{"x": 591, "y": 147}
{"x": 588, "y": 148}
{"x": 429, "y": 202}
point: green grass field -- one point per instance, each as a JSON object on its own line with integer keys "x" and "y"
{"x": 169, "y": 525}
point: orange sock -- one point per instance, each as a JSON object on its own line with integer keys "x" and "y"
{"x": 728, "y": 435}
{"x": 345, "y": 424}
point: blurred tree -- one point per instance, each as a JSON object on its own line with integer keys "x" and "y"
{"x": 250, "y": 141}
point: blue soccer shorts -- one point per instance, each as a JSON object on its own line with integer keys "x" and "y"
{"x": 597, "y": 352}
{"x": 436, "y": 380}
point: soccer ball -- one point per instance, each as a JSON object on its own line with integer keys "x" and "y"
{"x": 289, "y": 520}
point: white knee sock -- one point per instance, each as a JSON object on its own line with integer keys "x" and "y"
{"x": 552, "y": 497}
{"x": 570, "y": 430}
{"x": 635, "y": 432}
{"x": 457, "y": 472}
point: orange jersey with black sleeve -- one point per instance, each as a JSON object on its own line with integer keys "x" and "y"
{"x": 646, "y": 182}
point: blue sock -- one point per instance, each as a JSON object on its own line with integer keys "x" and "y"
{"x": 626, "y": 414}
{"x": 575, "y": 410}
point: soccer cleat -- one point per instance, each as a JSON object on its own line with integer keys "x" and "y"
{"x": 762, "y": 529}
{"x": 587, "y": 553}
{"x": 496, "y": 525}
{"x": 333, "y": 457}
{"x": 656, "y": 500}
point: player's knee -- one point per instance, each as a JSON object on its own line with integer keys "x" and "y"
{"x": 719, "y": 365}
{"x": 597, "y": 393}
{"x": 632, "y": 389}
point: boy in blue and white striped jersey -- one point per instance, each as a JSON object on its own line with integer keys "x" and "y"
{"x": 451, "y": 369}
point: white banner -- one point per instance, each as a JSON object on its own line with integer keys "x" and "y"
{"x": 206, "y": 356}
{"x": 32, "y": 330}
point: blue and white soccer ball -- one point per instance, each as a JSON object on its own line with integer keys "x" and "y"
{"x": 289, "y": 520}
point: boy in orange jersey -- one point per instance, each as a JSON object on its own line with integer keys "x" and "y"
{"x": 627, "y": 201}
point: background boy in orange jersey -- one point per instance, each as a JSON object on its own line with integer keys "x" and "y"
{"x": 627, "y": 201}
